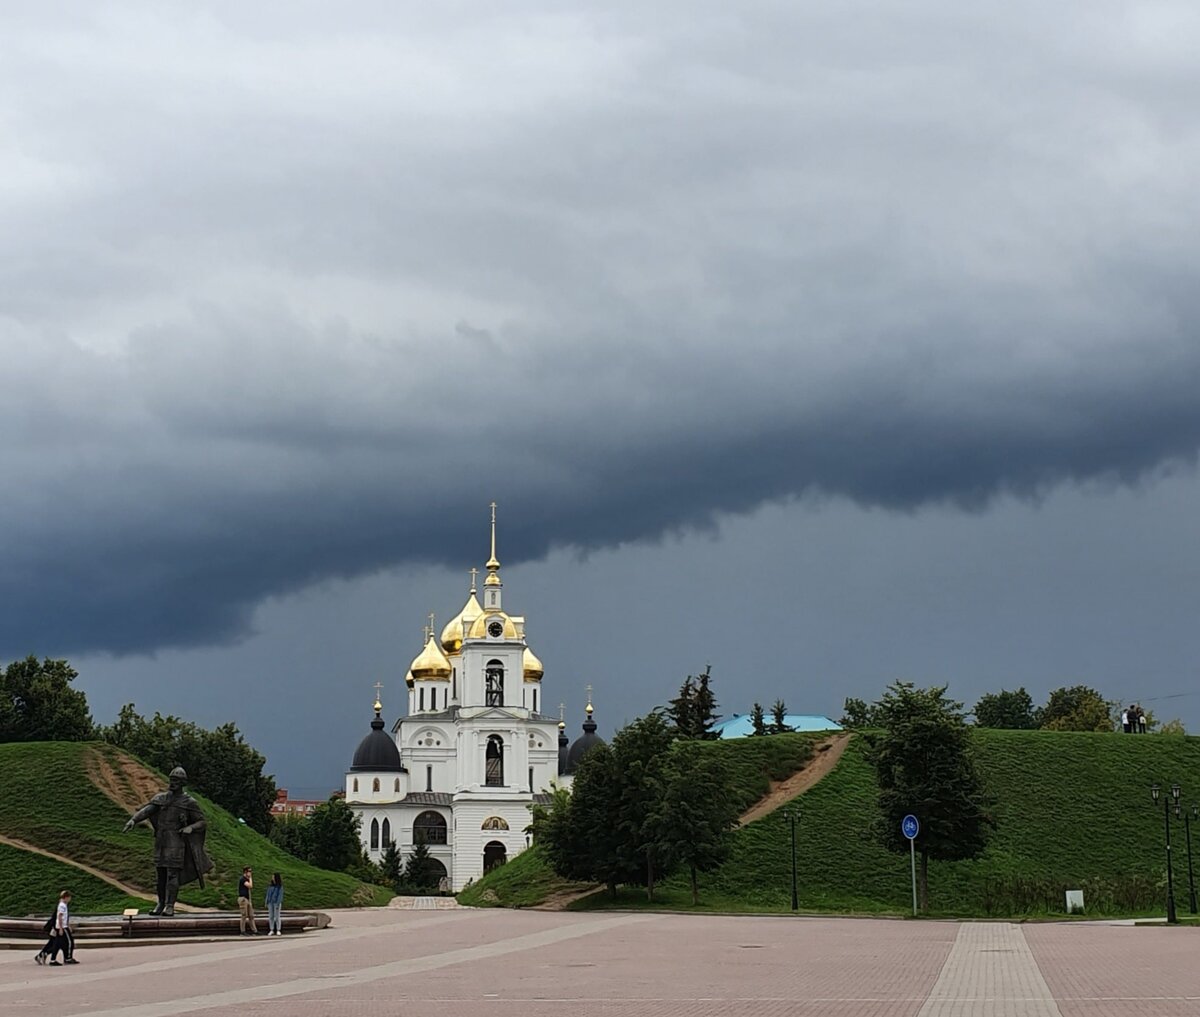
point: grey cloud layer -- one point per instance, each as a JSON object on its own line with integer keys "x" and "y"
{"x": 283, "y": 302}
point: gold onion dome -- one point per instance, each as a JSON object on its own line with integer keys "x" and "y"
{"x": 531, "y": 666}
{"x": 452, "y": 634}
{"x": 408, "y": 679}
{"x": 431, "y": 664}
{"x": 479, "y": 628}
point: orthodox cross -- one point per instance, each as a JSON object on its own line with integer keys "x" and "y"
{"x": 589, "y": 695}
{"x": 562, "y": 713}
{"x": 431, "y": 623}
{"x": 474, "y": 573}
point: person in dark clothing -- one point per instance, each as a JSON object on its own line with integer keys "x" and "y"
{"x": 246, "y": 920}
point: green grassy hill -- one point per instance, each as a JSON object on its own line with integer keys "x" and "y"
{"x": 30, "y": 885}
{"x": 51, "y": 798}
{"x": 1073, "y": 810}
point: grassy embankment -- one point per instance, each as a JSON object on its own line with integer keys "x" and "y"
{"x": 50, "y": 799}
{"x": 753, "y": 763}
{"x": 1073, "y": 810}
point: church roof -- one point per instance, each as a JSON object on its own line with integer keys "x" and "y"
{"x": 740, "y": 725}
{"x": 377, "y": 752}
{"x": 582, "y": 745}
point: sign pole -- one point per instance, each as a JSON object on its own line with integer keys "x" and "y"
{"x": 910, "y": 827}
{"x": 912, "y": 854}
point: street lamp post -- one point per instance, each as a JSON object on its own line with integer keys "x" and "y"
{"x": 1168, "y": 802}
{"x": 1187, "y": 830}
{"x": 791, "y": 818}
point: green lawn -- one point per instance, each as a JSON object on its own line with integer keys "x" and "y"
{"x": 47, "y": 800}
{"x": 30, "y": 884}
{"x": 1073, "y": 810}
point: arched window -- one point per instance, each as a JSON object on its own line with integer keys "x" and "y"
{"x": 387, "y": 833}
{"x": 374, "y": 834}
{"x": 494, "y": 684}
{"x": 494, "y": 823}
{"x": 535, "y": 700}
{"x": 355, "y": 787}
{"x": 421, "y": 693}
{"x": 494, "y": 761}
{"x": 396, "y": 787}
{"x": 429, "y": 828}
{"x": 375, "y": 785}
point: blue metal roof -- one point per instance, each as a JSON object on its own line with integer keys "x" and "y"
{"x": 740, "y": 724}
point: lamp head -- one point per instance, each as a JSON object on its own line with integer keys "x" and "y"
{"x": 1175, "y": 791}
{"x": 1154, "y": 791}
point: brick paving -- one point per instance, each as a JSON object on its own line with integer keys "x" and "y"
{"x": 538, "y": 964}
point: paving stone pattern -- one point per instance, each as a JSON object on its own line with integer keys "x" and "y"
{"x": 452, "y": 962}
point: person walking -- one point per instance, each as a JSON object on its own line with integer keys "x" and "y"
{"x": 246, "y": 920}
{"x": 274, "y": 905}
{"x": 60, "y": 935}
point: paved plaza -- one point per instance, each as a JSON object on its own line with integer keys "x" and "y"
{"x": 509, "y": 963}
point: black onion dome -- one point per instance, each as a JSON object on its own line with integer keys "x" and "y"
{"x": 377, "y": 752}
{"x": 584, "y": 744}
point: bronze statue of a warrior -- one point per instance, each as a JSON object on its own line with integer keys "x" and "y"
{"x": 179, "y": 854}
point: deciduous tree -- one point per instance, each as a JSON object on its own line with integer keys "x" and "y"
{"x": 1076, "y": 708}
{"x": 1004, "y": 709}
{"x": 335, "y": 840}
{"x": 924, "y": 766}
{"x": 697, "y": 813}
{"x": 37, "y": 703}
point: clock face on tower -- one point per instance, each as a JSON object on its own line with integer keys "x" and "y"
{"x": 495, "y": 629}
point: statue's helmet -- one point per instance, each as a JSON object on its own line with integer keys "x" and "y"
{"x": 179, "y": 773}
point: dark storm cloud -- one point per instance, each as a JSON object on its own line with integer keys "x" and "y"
{"x": 280, "y": 304}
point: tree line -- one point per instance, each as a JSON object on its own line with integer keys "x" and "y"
{"x": 39, "y": 704}
{"x": 1070, "y": 708}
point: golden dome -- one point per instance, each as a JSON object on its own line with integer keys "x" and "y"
{"x": 479, "y": 628}
{"x": 408, "y": 679}
{"x": 531, "y": 666}
{"x": 452, "y": 634}
{"x": 431, "y": 664}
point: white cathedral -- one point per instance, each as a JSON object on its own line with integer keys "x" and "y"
{"x": 460, "y": 772}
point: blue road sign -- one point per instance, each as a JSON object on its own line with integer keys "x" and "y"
{"x": 910, "y": 827}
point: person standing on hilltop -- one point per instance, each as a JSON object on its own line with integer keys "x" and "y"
{"x": 179, "y": 854}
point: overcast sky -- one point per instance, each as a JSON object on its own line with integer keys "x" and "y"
{"x": 829, "y": 344}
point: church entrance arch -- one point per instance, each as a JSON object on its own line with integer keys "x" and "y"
{"x": 494, "y": 853}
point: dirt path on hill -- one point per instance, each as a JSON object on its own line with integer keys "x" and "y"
{"x": 559, "y": 899}
{"x": 825, "y": 756}
{"x": 104, "y": 877}
{"x": 129, "y": 785}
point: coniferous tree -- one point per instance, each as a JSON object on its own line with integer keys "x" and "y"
{"x": 417, "y": 870}
{"x": 705, "y": 711}
{"x": 682, "y": 710}
{"x": 391, "y": 865}
{"x": 924, "y": 766}
{"x": 757, "y": 720}
{"x": 778, "y": 718}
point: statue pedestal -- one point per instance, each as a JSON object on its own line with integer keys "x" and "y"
{"x": 146, "y": 926}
